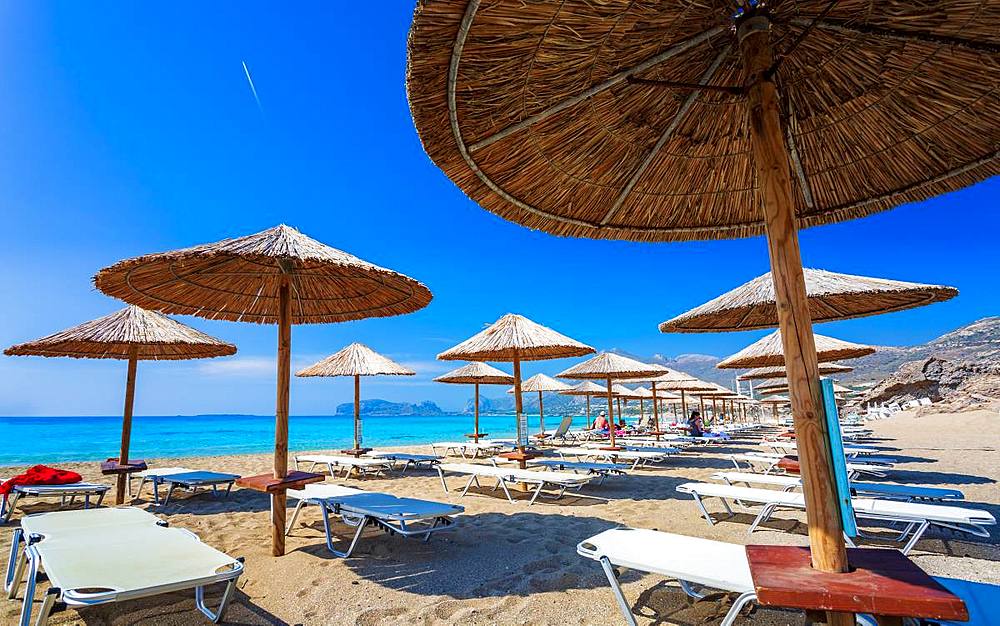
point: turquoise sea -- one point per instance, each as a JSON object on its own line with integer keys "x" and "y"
{"x": 31, "y": 440}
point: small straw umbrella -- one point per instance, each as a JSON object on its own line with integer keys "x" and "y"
{"x": 768, "y": 352}
{"x": 131, "y": 334}
{"x": 476, "y": 374}
{"x": 666, "y": 375}
{"x": 515, "y": 338}
{"x": 621, "y": 392}
{"x": 585, "y": 388}
{"x": 764, "y": 373}
{"x": 355, "y": 360}
{"x": 277, "y": 276}
{"x": 608, "y": 366}
{"x": 541, "y": 383}
{"x": 643, "y": 394}
{"x": 683, "y": 387}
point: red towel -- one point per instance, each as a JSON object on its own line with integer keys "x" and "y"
{"x": 40, "y": 475}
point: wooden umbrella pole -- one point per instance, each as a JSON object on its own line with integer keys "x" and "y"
{"x": 589, "y": 423}
{"x": 715, "y": 410}
{"x": 656, "y": 411}
{"x": 475, "y": 430}
{"x": 122, "y": 480}
{"x": 518, "y": 407}
{"x": 642, "y": 410}
{"x": 357, "y": 413}
{"x": 826, "y": 539}
{"x": 611, "y": 415}
{"x": 281, "y": 415}
{"x": 541, "y": 414}
{"x": 684, "y": 406}
{"x": 701, "y": 403}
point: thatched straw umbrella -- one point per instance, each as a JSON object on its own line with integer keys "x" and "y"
{"x": 831, "y": 296}
{"x": 476, "y": 374}
{"x": 277, "y": 276}
{"x": 719, "y": 132}
{"x": 608, "y": 366}
{"x": 131, "y": 334}
{"x": 515, "y": 338}
{"x": 684, "y": 387}
{"x": 764, "y": 373}
{"x": 768, "y": 352}
{"x": 355, "y": 360}
{"x": 621, "y": 392}
{"x": 585, "y": 388}
{"x": 774, "y": 401}
{"x": 540, "y": 383}
{"x": 665, "y": 375}
{"x": 643, "y": 394}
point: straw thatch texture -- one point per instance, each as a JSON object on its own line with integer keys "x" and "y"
{"x": 476, "y": 373}
{"x": 642, "y": 392}
{"x": 543, "y": 383}
{"x": 763, "y": 373}
{"x": 623, "y": 392}
{"x": 768, "y": 352}
{"x": 666, "y": 375}
{"x": 832, "y": 296}
{"x": 115, "y": 336}
{"x": 533, "y": 109}
{"x": 692, "y": 385}
{"x": 610, "y": 365}
{"x": 782, "y": 387}
{"x": 585, "y": 388}
{"x": 356, "y": 359}
{"x": 515, "y": 336}
{"x": 775, "y": 400}
{"x": 238, "y": 280}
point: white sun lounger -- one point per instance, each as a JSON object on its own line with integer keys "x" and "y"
{"x": 635, "y": 457}
{"x": 407, "y": 517}
{"x": 364, "y": 466}
{"x": 561, "y": 481}
{"x": 689, "y": 560}
{"x": 67, "y": 495}
{"x": 789, "y": 447}
{"x": 602, "y": 470}
{"x": 424, "y": 461}
{"x": 888, "y": 491}
{"x": 916, "y": 517}
{"x": 768, "y": 463}
{"x": 187, "y": 479}
{"x": 467, "y": 449}
{"x": 101, "y": 556}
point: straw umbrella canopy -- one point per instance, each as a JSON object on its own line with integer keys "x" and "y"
{"x": 664, "y": 121}
{"x": 831, "y": 296}
{"x": 277, "y": 276}
{"x": 355, "y": 360}
{"x": 585, "y": 388}
{"x": 768, "y": 352}
{"x": 668, "y": 375}
{"x": 540, "y": 383}
{"x": 476, "y": 374}
{"x": 515, "y": 338}
{"x": 765, "y": 373}
{"x": 609, "y": 366}
{"x": 131, "y": 334}
{"x": 621, "y": 392}
{"x": 684, "y": 386}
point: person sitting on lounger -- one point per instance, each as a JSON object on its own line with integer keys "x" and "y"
{"x": 695, "y": 425}
{"x": 601, "y": 423}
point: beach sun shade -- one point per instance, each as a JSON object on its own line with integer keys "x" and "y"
{"x": 277, "y": 276}
{"x": 767, "y": 352}
{"x": 670, "y": 120}
{"x": 831, "y": 296}
{"x": 540, "y": 383}
{"x": 131, "y": 334}
{"x": 356, "y": 360}
{"x": 764, "y": 373}
{"x": 476, "y": 374}
{"x": 587, "y": 389}
{"x": 514, "y": 338}
{"x": 608, "y": 367}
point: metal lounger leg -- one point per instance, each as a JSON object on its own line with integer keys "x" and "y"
{"x": 616, "y": 588}
{"x": 47, "y": 604}
{"x": 29, "y": 589}
{"x": 229, "y": 488}
{"x": 441, "y": 476}
{"x": 917, "y": 534}
{"x": 169, "y": 492}
{"x": 503, "y": 483}
{"x": 295, "y": 515}
{"x": 329, "y": 534}
{"x": 11, "y": 503}
{"x": 100, "y": 499}
{"x": 156, "y": 490}
{"x": 704, "y": 511}
{"x": 15, "y": 564}
{"x": 216, "y": 616}
{"x": 734, "y": 611}
{"x": 763, "y": 516}
{"x": 538, "y": 491}
{"x": 469, "y": 484}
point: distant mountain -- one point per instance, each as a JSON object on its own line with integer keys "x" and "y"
{"x": 554, "y": 403}
{"x": 381, "y": 408}
{"x": 698, "y": 365}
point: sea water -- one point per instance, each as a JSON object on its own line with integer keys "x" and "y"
{"x": 31, "y": 440}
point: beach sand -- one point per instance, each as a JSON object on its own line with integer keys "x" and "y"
{"x": 514, "y": 564}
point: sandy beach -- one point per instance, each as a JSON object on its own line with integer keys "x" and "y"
{"x": 514, "y": 564}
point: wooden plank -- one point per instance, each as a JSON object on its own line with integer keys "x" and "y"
{"x": 280, "y": 471}
{"x": 121, "y": 483}
{"x": 269, "y": 484}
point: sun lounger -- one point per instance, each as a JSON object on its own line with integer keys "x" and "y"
{"x": 467, "y": 449}
{"x": 186, "y": 479}
{"x": 689, "y": 560}
{"x": 635, "y": 457}
{"x": 560, "y": 481}
{"x": 67, "y": 495}
{"x": 915, "y": 517}
{"x": 768, "y": 463}
{"x": 907, "y": 493}
{"x": 407, "y": 517}
{"x": 601, "y": 470}
{"x": 865, "y": 454}
{"x": 101, "y": 556}
{"x": 419, "y": 461}
{"x": 364, "y": 466}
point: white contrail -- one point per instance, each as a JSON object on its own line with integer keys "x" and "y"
{"x": 253, "y": 89}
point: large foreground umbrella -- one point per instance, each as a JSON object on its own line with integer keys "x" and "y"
{"x": 609, "y": 366}
{"x": 277, "y": 276}
{"x": 764, "y": 373}
{"x": 515, "y": 338}
{"x": 585, "y": 388}
{"x": 356, "y": 360}
{"x": 131, "y": 334}
{"x": 476, "y": 374}
{"x": 831, "y": 296}
{"x": 540, "y": 383}
{"x": 670, "y": 120}
{"x": 768, "y": 352}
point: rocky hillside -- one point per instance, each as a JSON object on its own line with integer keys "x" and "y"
{"x": 386, "y": 408}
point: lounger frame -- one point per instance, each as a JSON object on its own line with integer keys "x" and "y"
{"x": 66, "y": 493}
{"x": 502, "y": 481}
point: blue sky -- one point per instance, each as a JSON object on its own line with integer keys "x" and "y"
{"x": 130, "y": 129}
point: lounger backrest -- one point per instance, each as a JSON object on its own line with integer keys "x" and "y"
{"x": 564, "y": 425}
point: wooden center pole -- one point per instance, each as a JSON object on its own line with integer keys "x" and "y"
{"x": 281, "y": 415}
{"x": 656, "y": 410}
{"x": 121, "y": 484}
{"x": 826, "y": 539}
{"x": 518, "y": 408}
{"x": 475, "y": 430}
{"x": 611, "y": 415}
{"x": 701, "y": 403}
{"x": 715, "y": 410}
{"x": 684, "y": 405}
{"x": 541, "y": 414}
{"x": 357, "y": 413}
{"x": 590, "y": 424}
